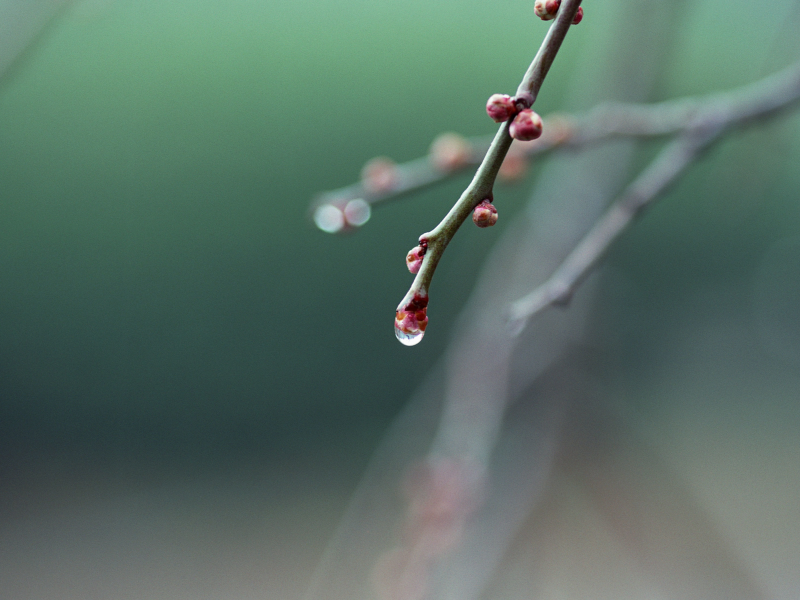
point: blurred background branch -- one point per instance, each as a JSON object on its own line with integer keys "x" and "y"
{"x": 703, "y": 125}
{"x": 22, "y": 23}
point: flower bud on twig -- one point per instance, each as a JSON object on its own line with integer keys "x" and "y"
{"x": 546, "y": 9}
{"x": 485, "y": 214}
{"x": 501, "y": 107}
{"x": 526, "y": 126}
{"x": 414, "y": 259}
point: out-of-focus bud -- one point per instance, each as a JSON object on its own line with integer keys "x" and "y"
{"x": 560, "y": 129}
{"x": 379, "y": 175}
{"x": 578, "y": 16}
{"x": 515, "y": 164}
{"x": 450, "y": 151}
{"x": 485, "y": 214}
{"x": 414, "y": 259}
{"x": 546, "y": 9}
{"x": 500, "y": 107}
{"x": 526, "y": 126}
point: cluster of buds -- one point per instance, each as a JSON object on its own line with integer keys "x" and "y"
{"x": 415, "y": 256}
{"x": 526, "y": 126}
{"x": 546, "y": 10}
{"x": 485, "y": 214}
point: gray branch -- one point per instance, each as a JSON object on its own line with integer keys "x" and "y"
{"x": 703, "y": 123}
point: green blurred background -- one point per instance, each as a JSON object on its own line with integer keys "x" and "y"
{"x": 175, "y": 333}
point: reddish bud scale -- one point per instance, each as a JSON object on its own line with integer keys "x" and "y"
{"x": 417, "y": 303}
{"x": 578, "y": 16}
{"x": 501, "y": 107}
{"x": 526, "y": 126}
{"x": 485, "y": 214}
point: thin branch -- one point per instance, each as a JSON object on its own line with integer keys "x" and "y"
{"x": 703, "y": 128}
{"x": 480, "y": 188}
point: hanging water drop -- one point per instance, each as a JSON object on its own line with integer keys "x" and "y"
{"x": 407, "y": 337}
{"x": 411, "y": 321}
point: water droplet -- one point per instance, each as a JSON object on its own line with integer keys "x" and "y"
{"x": 409, "y": 326}
{"x": 407, "y": 338}
{"x": 357, "y": 212}
{"x": 329, "y": 218}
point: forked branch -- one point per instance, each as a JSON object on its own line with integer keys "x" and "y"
{"x": 703, "y": 125}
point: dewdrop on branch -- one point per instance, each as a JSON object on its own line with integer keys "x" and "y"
{"x": 411, "y": 320}
{"x": 526, "y": 126}
{"x": 485, "y": 214}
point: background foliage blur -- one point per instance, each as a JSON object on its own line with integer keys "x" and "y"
{"x": 192, "y": 377}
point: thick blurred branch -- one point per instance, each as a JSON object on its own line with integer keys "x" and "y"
{"x": 703, "y": 124}
{"x": 22, "y": 24}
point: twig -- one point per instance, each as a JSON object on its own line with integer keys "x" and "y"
{"x": 703, "y": 126}
{"x": 435, "y": 241}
